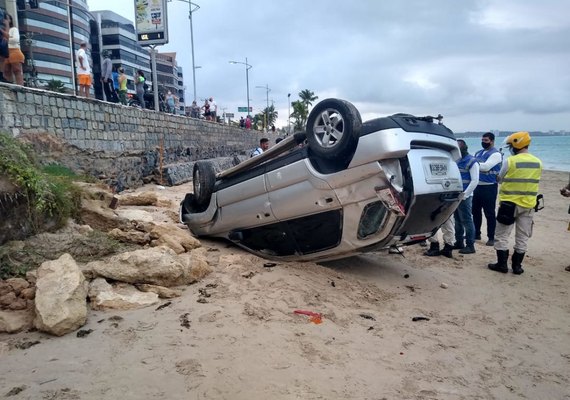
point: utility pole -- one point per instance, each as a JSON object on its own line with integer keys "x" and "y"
{"x": 289, "y": 114}
{"x": 267, "y": 90}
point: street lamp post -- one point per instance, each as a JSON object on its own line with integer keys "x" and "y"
{"x": 247, "y": 68}
{"x": 289, "y": 114}
{"x": 192, "y": 7}
{"x": 267, "y": 90}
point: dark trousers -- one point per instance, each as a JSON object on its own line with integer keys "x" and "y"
{"x": 464, "y": 223}
{"x": 109, "y": 89}
{"x": 485, "y": 197}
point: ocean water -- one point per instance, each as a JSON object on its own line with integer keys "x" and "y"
{"x": 554, "y": 151}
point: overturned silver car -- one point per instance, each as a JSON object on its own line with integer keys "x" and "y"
{"x": 341, "y": 188}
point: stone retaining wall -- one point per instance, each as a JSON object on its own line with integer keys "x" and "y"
{"x": 120, "y": 144}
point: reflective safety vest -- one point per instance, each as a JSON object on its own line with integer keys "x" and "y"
{"x": 491, "y": 175}
{"x": 465, "y": 165}
{"x": 520, "y": 183}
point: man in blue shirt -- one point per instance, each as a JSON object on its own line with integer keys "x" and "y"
{"x": 485, "y": 195}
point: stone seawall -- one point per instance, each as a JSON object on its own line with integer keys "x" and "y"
{"x": 119, "y": 144}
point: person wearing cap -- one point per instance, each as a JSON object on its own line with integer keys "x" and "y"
{"x": 469, "y": 170}
{"x": 83, "y": 71}
{"x": 519, "y": 178}
{"x": 107, "y": 78}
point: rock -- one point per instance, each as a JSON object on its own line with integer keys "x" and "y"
{"x": 31, "y": 276}
{"x": 28, "y": 293}
{"x": 18, "y": 304}
{"x": 161, "y": 291}
{"x": 96, "y": 214}
{"x": 170, "y": 235}
{"x": 139, "y": 199}
{"x": 119, "y": 297}
{"x": 17, "y": 284}
{"x": 199, "y": 262}
{"x": 157, "y": 265}
{"x": 135, "y": 215}
{"x": 130, "y": 236}
{"x": 16, "y": 321}
{"x": 61, "y": 292}
{"x": 91, "y": 191}
{"x": 7, "y": 299}
{"x": 443, "y": 285}
{"x": 5, "y": 288}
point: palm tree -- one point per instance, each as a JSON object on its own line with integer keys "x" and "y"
{"x": 307, "y": 97}
{"x": 299, "y": 114}
{"x": 272, "y": 115}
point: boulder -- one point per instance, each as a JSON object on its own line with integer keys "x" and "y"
{"x": 121, "y": 296}
{"x": 5, "y": 288}
{"x": 161, "y": 291}
{"x": 7, "y": 299}
{"x": 28, "y": 293}
{"x": 98, "y": 215}
{"x": 135, "y": 215}
{"x": 16, "y": 321}
{"x": 61, "y": 292}
{"x": 32, "y": 276}
{"x": 130, "y": 236}
{"x": 157, "y": 265}
{"x": 199, "y": 264}
{"x": 17, "y": 284}
{"x": 18, "y": 304}
{"x": 170, "y": 235}
{"x": 138, "y": 199}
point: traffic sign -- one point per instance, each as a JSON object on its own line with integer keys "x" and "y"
{"x": 229, "y": 115}
{"x": 244, "y": 109}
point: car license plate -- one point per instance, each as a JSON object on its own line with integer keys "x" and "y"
{"x": 438, "y": 169}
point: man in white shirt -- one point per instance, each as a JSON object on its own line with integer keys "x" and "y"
{"x": 263, "y": 146}
{"x": 83, "y": 71}
{"x": 469, "y": 169}
{"x": 213, "y": 110}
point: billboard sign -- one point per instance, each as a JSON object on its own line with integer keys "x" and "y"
{"x": 151, "y": 22}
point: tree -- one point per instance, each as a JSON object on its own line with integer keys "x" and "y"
{"x": 299, "y": 114}
{"x": 307, "y": 97}
{"x": 55, "y": 85}
{"x": 272, "y": 115}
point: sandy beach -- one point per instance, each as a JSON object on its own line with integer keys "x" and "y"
{"x": 486, "y": 335}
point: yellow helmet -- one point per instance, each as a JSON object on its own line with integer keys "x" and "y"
{"x": 519, "y": 140}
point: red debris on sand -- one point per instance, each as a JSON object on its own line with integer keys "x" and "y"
{"x": 314, "y": 317}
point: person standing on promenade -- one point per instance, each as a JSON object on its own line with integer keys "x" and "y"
{"x": 469, "y": 169}
{"x": 122, "y": 86}
{"x": 13, "y": 65}
{"x": 213, "y": 110}
{"x": 194, "y": 110}
{"x": 83, "y": 71}
{"x": 485, "y": 194}
{"x": 107, "y": 77}
{"x": 519, "y": 178}
{"x": 139, "y": 87}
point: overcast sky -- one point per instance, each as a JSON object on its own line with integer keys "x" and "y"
{"x": 482, "y": 64}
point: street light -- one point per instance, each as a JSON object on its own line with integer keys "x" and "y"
{"x": 247, "y": 68}
{"x": 289, "y": 114}
{"x": 192, "y": 7}
{"x": 267, "y": 90}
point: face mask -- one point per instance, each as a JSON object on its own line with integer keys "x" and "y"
{"x": 485, "y": 145}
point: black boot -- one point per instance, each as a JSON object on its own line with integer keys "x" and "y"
{"x": 501, "y": 265}
{"x": 433, "y": 250}
{"x": 446, "y": 251}
{"x": 516, "y": 261}
{"x": 459, "y": 245}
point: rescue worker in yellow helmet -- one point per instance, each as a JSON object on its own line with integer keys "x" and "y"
{"x": 519, "y": 178}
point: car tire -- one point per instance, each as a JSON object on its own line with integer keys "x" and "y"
{"x": 204, "y": 179}
{"x": 333, "y": 130}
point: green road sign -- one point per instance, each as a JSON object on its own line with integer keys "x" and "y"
{"x": 244, "y": 109}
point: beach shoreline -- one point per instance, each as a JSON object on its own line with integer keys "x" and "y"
{"x": 482, "y": 335}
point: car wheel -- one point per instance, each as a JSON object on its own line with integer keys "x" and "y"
{"x": 333, "y": 129}
{"x": 204, "y": 178}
